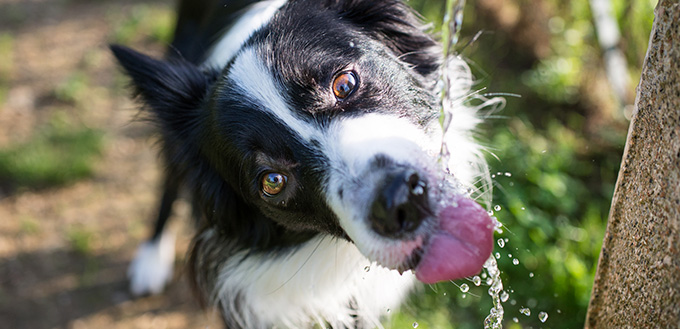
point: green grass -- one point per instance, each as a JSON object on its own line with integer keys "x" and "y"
{"x": 155, "y": 23}
{"x": 58, "y": 154}
{"x": 80, "y": 240}
{"x": 73, "y": 88}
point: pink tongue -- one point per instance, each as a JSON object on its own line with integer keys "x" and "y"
{"x": 461, "y": 247}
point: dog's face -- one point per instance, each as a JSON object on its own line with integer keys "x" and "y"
{"x": 324, "y": 122}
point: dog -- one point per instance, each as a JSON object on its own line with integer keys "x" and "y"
{"x": 307, "y": 134}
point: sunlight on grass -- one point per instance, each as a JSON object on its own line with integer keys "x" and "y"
{"x": 58, "y": 154}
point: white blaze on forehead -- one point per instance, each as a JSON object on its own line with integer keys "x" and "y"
{"x": 251, "y": 76}
{"x": 254, "y": 17}
{"x": 359, "y": 140}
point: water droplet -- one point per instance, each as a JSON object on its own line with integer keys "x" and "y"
{"x": 515, "y": 320}
{"x": 493, "y": 176}
{"x": 525, "y": 310}
{"x": 367, "y": 268}
{"x": 515, "y": 261}
{"x": 501, "y": 243}
{"x": 504, "y": 296}
{"x": 388, "y": 310}
{"x": 543, "y": 316}
{"x": 464, "y": 295}
{"x": 513, "y": 302}
{"x": 476, "y": 280}
{"x": 415, "y": 324}
{"x": 509, "y": 255}
{"x": 489, "y": 281}
{"x": 490, "y": 212}
{"x": 497, "y": 207}
{"x": 523, "y": 208}
{"x": 559, "y": 311}
{"x": 498, "y": 255}
{"x": 351, "y": 44}
{"x": 418, "y": 190}
{"x": 444, "y": 293}
{"x": 464, "y": 287}
{"x": 507, "y": 174}
{"x": 531, "y": 274}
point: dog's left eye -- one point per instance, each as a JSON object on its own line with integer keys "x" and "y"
{"x": 344, "y": 84}
{"x": 273, "y": 183}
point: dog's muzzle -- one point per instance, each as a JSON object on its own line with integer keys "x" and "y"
{"x": 446, "y": 234}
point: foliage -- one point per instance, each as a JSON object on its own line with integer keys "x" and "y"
{"x": 553, "y": 177}
{"x": 60, "y": 153}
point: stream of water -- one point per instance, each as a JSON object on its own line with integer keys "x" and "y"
{"x": 453, "y": 20}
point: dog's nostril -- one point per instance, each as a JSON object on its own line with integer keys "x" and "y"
{"x": 416, "y": 186}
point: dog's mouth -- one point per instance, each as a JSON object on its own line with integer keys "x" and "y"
{"x": 433, "y": 229}
{"x": 458, "y": 247}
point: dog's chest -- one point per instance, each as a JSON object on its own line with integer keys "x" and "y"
{"x": 325, "y": 281}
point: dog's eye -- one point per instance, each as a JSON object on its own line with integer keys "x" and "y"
{"x": 273, "y": 183}
{"x": 344, "y": 84}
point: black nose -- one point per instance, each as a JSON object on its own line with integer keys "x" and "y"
{"x": 400, "y": 205}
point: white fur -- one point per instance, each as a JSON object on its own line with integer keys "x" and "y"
{"x": 231, "y": 42}
{"x": 312, "y": 285}
{"x": 250, "y": 74}
{"x": 152, "y": 266}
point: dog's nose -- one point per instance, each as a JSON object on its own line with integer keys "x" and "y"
{"x": 400, "y": 205}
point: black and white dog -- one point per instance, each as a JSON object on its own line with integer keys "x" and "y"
{"x": 307, "y": 133}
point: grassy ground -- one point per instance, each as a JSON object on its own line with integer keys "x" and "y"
{"x": 69, "y": 228}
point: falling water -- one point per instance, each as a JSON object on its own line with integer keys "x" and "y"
{"x": 451, "y": 27}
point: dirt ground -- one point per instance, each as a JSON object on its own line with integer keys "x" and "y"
{"x": 64, "y": 251}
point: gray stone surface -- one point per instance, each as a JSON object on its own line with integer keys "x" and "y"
{"x": 637, "y": 284}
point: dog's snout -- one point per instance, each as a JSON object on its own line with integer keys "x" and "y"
{"x": 400, "y": 205}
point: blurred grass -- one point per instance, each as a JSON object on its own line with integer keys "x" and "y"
{"x": 60, "y": 153}
{"x": 145, "y": 21}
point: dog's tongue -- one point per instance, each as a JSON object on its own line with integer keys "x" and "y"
{"x": 461, "y": 247}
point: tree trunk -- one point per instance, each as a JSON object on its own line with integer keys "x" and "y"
{"x": 637, "y": 283}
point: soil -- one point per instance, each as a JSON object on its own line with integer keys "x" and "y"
{"x": 64, "y": 251}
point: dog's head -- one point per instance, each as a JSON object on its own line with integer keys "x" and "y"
{"x": 325, "y": 122}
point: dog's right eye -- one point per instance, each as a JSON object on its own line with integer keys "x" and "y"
{"x": 273, "y": 183}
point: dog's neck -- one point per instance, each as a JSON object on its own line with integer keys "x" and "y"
{"x": 325, "y": 280}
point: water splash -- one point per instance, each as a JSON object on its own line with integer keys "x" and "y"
{"x": 453, "y": 20}
{"x": 495, "y": 318}
{"x": 525, "y": 310}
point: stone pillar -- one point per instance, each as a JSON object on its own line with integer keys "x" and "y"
{"x": 637, "y": 284}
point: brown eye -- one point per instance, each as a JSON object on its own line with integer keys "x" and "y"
{"x": 344, "y": 84}
{"x": 273, "y": 183}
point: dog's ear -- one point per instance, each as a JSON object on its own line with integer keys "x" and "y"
{"x": 173, "y": 89}
{"x": 398, "y": 26}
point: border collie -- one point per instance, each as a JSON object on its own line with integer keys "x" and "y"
{"x": 307, "y": 134}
